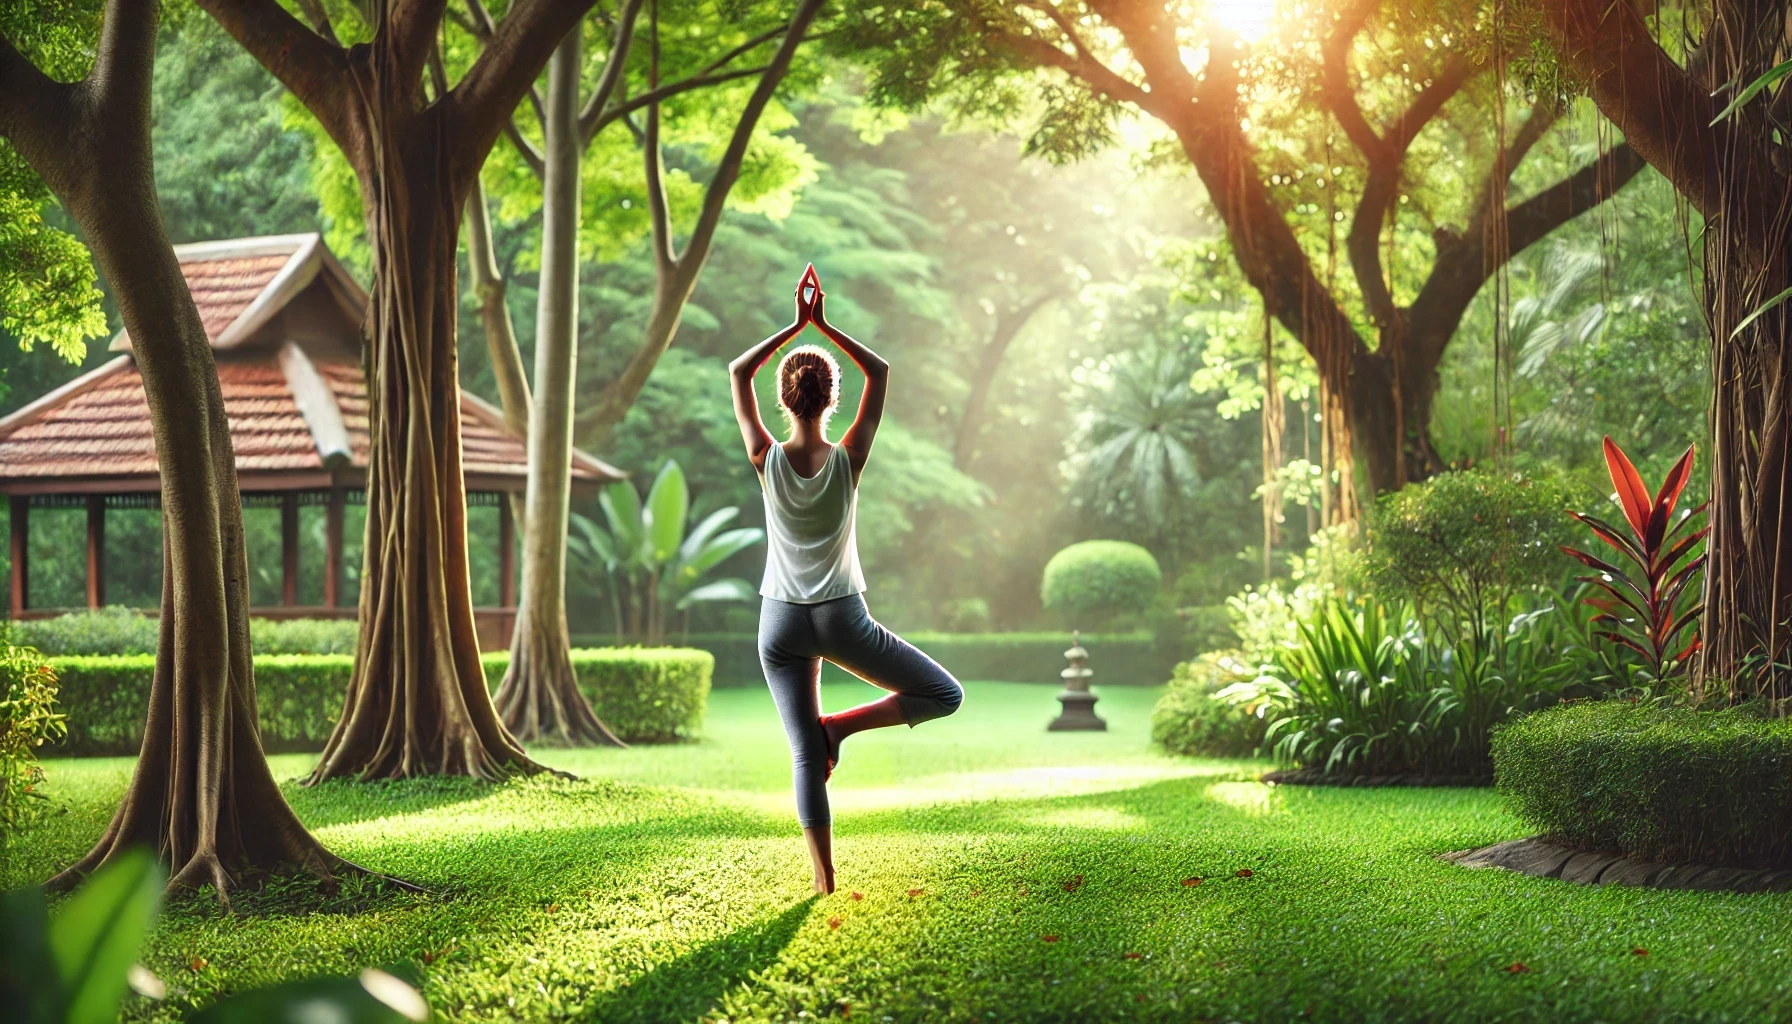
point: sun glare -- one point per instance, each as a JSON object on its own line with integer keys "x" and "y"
{"x": 1248, "y": 19}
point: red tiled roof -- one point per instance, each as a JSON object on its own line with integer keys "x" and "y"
{"x": 98, "y": 425}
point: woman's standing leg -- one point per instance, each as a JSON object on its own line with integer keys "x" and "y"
{"x": 787, "y": 654}
{"x": 920, "y": 689}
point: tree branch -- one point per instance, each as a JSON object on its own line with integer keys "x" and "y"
{"x": 410, "y": 28}
{"x": 35, "y": 113}
{"x": 504, "y": 73}
{"x": 530, "y": 153}
{"x": 1098, "y": 75}
{"x": 614, "y": 66}
{"x": 307, "y": 65}
{"x": 664, "y": 92}
{"x": 1661, "y": 110}
{"x": 320, "y": 20}
{"x": 1465, "y": 265}
{"x": 1338, "y": 92}
{"x": 659, "y": 216}
{"x": 715, "y": 197}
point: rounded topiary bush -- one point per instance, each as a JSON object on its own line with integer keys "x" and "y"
{"x": 1098, "y": 580}
{"x": 1666, "y": 784}
{"x": 1188, "y": 720}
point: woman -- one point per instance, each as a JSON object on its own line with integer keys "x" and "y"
{"x": 812, "y": 608}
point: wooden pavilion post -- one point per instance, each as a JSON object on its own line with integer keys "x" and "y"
{"x": 96, "y": 551}
{"x": 506, "y": 554}
{"x": 289, "y": 548}
{"x": 21, "y": 553}
{"x": 333, "y": 549}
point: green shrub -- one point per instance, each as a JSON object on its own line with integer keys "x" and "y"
{"x": 28, "y": 719}
{"x": 304, "y": 636}
{"x": 1462, "y": 546}
{"x": 644, "y": 694}
{"x": 1118, "y": 659}
{"x": 1189, "y": 720}
{"x": 298, "y": 698}
{"x": 1366, "y": 691}
{"x": 1667, "y": 784}
{"x": 1096, "y": 581}
{"x": 116, "y": 631}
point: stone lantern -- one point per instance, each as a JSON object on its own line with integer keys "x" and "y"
{"x": 1079, "y": 704}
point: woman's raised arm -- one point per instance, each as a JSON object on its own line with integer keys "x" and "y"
{"x": 746, "y": 404}
{"x": 857, "y": 439}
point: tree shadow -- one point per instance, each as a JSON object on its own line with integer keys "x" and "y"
{"x": 689, "y": 987}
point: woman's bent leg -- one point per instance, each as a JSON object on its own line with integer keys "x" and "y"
{"x": 920, "y": 689}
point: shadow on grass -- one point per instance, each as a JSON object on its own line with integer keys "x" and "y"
{"x": 689, "y": 987}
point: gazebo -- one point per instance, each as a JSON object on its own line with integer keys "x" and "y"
{"x": 284, "y": 319}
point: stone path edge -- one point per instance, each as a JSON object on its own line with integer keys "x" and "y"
{"x": 1541, "y": 858}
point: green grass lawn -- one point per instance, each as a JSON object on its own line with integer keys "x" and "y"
{"x": 989, "y": 871}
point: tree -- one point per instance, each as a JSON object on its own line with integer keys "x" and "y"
{"x": 1275, "y": 190}
{"x": 1729, "y": 164}
{"x": 201, "y": 793}
{"x": 539, "y": 698}
{"x": 417, "y": 701}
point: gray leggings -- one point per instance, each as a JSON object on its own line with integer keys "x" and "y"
{"x": 794, "y": 638}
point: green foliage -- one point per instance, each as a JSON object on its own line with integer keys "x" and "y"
{"x": 76, "y": 967}
{"x": 1667, "y": 784}
{"x": 48, "y": 293}
{"x": 1118, "y": 659}
{"x": 28, "y": 720}
{"x": 116, "y": 630}
{"x": 106, "y": 698}
{"x": 1189, "y": 720}
{"x": 1099, "y": 580}
{"x": 1462, "y": 545}
{"x": 644, "y": 694}
{"x": 1365, "y": 691}
{"x": 654, "y": 567}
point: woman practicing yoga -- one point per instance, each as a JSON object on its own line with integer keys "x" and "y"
{"x": 812, "y": 607}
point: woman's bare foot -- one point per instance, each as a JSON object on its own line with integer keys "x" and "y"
{"x": 821, "y": 856}
{"x": 834, "y": 734}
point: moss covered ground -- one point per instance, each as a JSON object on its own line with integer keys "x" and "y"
{"x": 988, "y": 871}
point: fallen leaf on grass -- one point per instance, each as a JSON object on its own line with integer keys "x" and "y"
{"x": 553, "y": 908}
{"x": 1639, "y": 951}
{"x": 1518, "y": 968}
{"x": 197, "y": 964}
{"x": 1049, "y": 938}
{"x": 916, "y": 892}
{"x": 1192, "y": 882}
{"x": 1245, "y": 872}
{"x": 1074, "y": 884}
{"x": 1135, "y": 956}
{"x": 976, "y": 892}
{"x": 1138, "y": 997}
{"x": 857, "y": 895}
{"x": 834, "y": 924}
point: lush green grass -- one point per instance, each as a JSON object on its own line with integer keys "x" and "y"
{"x": 668, "y": 884}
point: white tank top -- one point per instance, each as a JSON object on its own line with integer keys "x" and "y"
{"x": 812, "y": 551}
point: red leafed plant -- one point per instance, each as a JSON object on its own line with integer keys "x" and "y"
{"x": 1639, "y": 611}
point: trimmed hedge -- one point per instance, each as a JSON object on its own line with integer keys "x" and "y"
{"x": 644, "y": 694}
{"x": 1665, "y": 784}
{"x": 1118, "y": 659}
{"x": 118, "y": 630}
{"x": 106, "y": 698}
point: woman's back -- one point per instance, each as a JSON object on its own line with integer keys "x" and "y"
{"x": 811, "y": 543}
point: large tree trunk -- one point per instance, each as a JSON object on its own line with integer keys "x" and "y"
{"x": 417, "y": 702}
{"x": 540, "y": 699}
{"x": 201, "y": 794}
